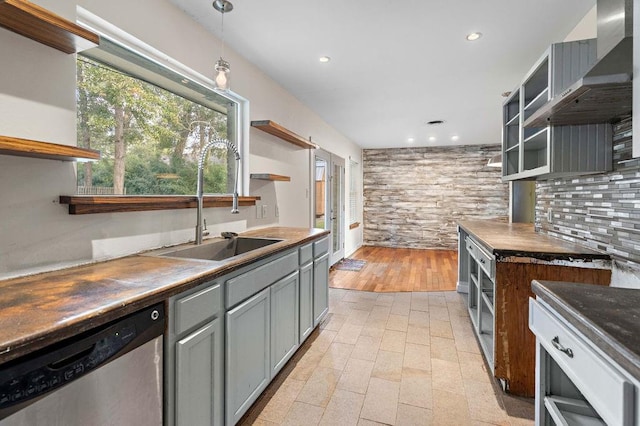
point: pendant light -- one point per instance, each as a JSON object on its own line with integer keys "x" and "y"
{"x": 221, "y": 80}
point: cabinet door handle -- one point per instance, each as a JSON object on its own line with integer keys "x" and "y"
{"x": 558, "y": 346}
{"x": 482, "y": 261}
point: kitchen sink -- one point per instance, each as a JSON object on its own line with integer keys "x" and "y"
{"x": 218, "y": 249}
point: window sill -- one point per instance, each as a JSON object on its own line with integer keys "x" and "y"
{"x": 91, "y": 204}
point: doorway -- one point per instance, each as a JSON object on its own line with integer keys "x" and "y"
{"x": 328, "y": 200}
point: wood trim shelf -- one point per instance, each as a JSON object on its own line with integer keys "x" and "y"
{"x": 52, "y": 151}
{"x": 277, "y": 130}
{"x": 91, "y": 204}
{"x": 270, "y": 176}
{"x": 354, "y": 225}
{"x": 39, "y": 24}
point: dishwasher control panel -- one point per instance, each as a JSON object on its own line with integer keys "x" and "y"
{"x": 35, "y": 375}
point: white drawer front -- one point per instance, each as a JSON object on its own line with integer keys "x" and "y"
{"x": 471, "y": 247}
{"x": 602, "y": 385}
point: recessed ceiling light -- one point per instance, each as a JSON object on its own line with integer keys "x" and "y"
{"x": 411, "y": 140}
{"x": 185, "y": 81}
{"x": 474, "y": 36}
{"x": 324, "y": 59}
{"x": 455, "y": 138}
{"x": 432, "y": 138}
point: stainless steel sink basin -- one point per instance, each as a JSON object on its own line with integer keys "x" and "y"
{"x": 218, "y": 249}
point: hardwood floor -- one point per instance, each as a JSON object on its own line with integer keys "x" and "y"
{"x": 399, "y": 269}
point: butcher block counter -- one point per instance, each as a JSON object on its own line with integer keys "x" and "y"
{"x": 38, "y": 310}
{"x": 497, "y": 263}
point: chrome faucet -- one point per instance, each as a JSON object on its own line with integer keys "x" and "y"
{"x": 200, "y": 183}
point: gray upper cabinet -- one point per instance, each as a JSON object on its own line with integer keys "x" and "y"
{"x": 248, "y": 370}
{"x": 320, "y": 288}
{"x": 284, "y": 321}
{"x": 534, "y": 152}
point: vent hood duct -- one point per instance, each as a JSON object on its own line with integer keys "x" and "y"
{"x": 604, "y": 93}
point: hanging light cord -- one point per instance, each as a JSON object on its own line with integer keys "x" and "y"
{"x": 222, "y": 55}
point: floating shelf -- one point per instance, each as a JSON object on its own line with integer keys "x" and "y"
{"x": 90, "y": 204}
{"x": 43, "y": 26}
{"x": 277, "y": 130}
{"x": 269, "y": 176}
{"x": 52, "y": 151}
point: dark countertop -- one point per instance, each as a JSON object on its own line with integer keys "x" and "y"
{"x": 42, "y": 309}
{"x": 520, "y": 240}
{"x": 607, "y": 316}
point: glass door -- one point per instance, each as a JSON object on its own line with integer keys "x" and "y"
{"x": 328, "y": 208}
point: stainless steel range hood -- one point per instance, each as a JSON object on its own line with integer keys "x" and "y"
{"x": 604, "y": 93}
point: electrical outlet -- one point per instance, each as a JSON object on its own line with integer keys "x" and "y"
{"x": 277, "y": 211}
{"x": 265, "y": 210}
{"x": 258, "y": 212}
{"x": 549, "y": 215}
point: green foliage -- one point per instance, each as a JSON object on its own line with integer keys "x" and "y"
{"x": 163, "y": 134}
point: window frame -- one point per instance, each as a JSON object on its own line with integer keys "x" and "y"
{"x": 354, "y": 212}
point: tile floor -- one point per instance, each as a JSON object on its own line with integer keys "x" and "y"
{"x": 389, "y": 358}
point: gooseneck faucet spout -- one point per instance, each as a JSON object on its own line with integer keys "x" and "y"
{"x": 200, "y": 184}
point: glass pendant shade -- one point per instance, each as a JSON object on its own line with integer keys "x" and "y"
{"x": 222, "y": 75}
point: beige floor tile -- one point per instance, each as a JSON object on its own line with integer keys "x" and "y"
{"x": 324, "y": 339}
{"x": 403, "y": 297}
{"x": 483, "y": 405}
{"x": 381, "y": 401}
{"x": 365, "y": 305}
{"x": 518, "y": 421}
{"x": 388, "y": 366}
{"x": 472, "y": 367}
{"x": 420, "y": 305}
{"x": 358, "y": 317}
{"x": 303, "y": 414}
{"x": 401, "y": 308}
{"x": 397, "y": 323}
{"x": 336, "y": 356}
{"x": 341, "y": 307}
{"x": 417, "y": 357}
{"x": 379, "y": 323}
{"x": 365, "y": 422}
{"x": 419, "y": 318}
{"x": 440, "y": 313}
{"x": 356, "y": 375}
{"x": 380, "y": 312}
{"x": 385, "y": 299}
{"x": 320, "y": 386}
{"x": 419, "y": 335}
{"x": 450, "y": 409}
{"x": 261, "y": 422}
{"x": 442, "y": 348}
{"x": 278, "y": 406}
{"x": 374, "y": 328}
{"x": 335, "y": 323}
{"x": 465, "y": 341}
{"x": 393, "y": 341}
{"x": 349, "y": 333}
{"x": 366, "y": 348}
{"x": 416, "y": 388}
{"x": 446, "y": 375}
{"x": 343, "y": 409}
{"x": 440, "y": 328}
{"x": 409, "y": 415}
{"x": 305, "y": 367}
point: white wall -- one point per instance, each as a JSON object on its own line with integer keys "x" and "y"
{"x": 586, "y": 28}
{"x": 37, "y": 101}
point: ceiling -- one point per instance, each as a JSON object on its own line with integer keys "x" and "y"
{"x": 396, "y": 65}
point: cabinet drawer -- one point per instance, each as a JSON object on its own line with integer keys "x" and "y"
{"x": 487, "y": 262}
{"x": 321, "y": 247}
{"x": 250, "y": 283}
{"x": 197, "y": 308}
{"x": 306, "y": 253}
{"x": 471, "y": 247}
{"x": 608, "y": 391}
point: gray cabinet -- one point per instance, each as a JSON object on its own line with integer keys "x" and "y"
{"x": 320, "y": 288}
{"x": 534, "y": 151}
{"x": 284, "y": 321}
{"x": 306, "y": 301}
{"x": 199, "y": 393}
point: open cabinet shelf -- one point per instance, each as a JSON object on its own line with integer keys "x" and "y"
{"x": 52, "y": 151}
{"x": 39, "y": 24}
{"x": 270, "y": 176}
{"x": 283, "y": 133}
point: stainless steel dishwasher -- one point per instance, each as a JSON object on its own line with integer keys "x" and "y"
{"x": 111, "y": 375}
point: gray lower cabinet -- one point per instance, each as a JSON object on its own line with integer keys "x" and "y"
{"x": 199, "y": 370}
{"x": 284, "y": 321}
{"x": 320, "y": 288}
{"x": 306, "y": 301}
{"x": 248, "y": 367}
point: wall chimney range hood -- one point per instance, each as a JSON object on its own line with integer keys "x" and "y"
{"x": 605, "y": 92}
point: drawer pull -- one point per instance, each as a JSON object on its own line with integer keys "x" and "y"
{"x": 482, "y": 261}
{"x": 558, "y": 346}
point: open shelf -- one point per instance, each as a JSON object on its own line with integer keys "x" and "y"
{"x": 52, "y": 151}
{"x": 283, "y": 133}
{"x": 270, "y": 176}
{"x": 538, "y": 101}
{"x": 39, "y": 24}
{"x": 514, "y": 121}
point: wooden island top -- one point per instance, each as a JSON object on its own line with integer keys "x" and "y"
{"x": 38, "y": 310}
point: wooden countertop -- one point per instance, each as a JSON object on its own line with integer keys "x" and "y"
{"x": 609, "y": 317}
{"x": 38, "y": 310}
{"x": 520, "y": 239}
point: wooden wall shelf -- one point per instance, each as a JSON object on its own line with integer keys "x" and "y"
{"x": 43, "y": 26}
{"x": 277, "y": 130}
{"x": 51, "y": 151}
{"x": 91, "y": 204}
{"x": 269, "y": 176}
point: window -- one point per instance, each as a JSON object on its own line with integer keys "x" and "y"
{"x": 354, "y": 214}
{"x": 150, "y": 119}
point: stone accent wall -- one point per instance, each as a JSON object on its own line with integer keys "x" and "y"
{"x": 414, "y": 196}
{"x": 599, "y": 211}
